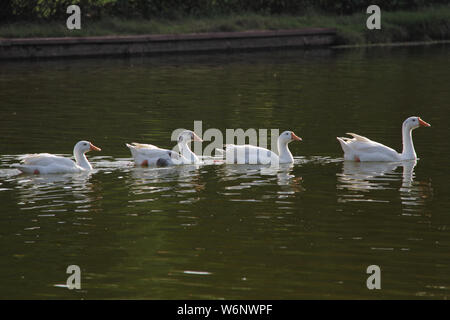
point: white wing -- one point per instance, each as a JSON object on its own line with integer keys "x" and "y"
{"x": 151, "y": 154}
{"x": 363, "y": 149}
{"x": 46, "y": 163}
{"x": 144, "y": 146}
{"x": 46, "y": 159}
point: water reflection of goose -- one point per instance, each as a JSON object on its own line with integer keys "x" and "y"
{"x": 413, "y": 193}
{"x": 55, "y": 191}
{"x": 287, "y": 180}
{"x": 408, "y": 174}
{"x": 151, "y": 180}
{"x": 233, "y": 170}
{"x": 260, "y": 174}
{"x": 173, "y": 173}
{"x": 368, "y": 176}
{"x": 174, "y": 183}
{"x": 374, "y": 175}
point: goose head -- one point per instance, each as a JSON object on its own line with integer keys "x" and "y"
{"x": 415, "y": 122}
{"x": 188, "y": 136}
{"x": 183, "y": 139}
{"x": 84, "y": 146}
{"x": 288, "y": 136}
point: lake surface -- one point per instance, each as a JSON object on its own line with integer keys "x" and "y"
{"x": 216, "y": 231}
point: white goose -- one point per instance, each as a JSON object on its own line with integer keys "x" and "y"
{"x": 150, "y": 155}
{"x": 363, "y": 149}
{"x": 249, "y": 154}
{"x": 45, "y": 163}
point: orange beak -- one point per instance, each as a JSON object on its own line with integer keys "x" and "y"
{"x": 94, "y": 148}
{"x": 197, "y": 138}
{"x": 294, "y": 137}
{"x": 423, "y": 123}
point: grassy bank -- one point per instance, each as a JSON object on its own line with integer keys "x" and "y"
{"x": 432, "y": 23}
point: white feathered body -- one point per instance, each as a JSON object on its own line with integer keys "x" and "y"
{"x": 148, "y": 154}
{"x": 360, "y": 148}
{"x": 249, "y": 154}
{"x": 45, "y": 163}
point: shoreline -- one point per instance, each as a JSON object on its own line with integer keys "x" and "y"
{"x": 117, "y": 36}
{"x": 391, "y": 44}
{"x": 62, "y": 47}
{"x": 144, "y": 45}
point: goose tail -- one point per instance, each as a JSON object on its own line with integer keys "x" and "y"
{"x": 132, "y": 149}
{"x": 343, "y": 142}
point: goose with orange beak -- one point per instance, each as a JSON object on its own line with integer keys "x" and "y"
{"x": 249, "y": 154}
{"x": 45, "y": 163}
{"x": 363, "y": 149}
{"x": 153, "y": 156}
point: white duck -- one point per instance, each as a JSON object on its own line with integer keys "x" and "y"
{"x": 249, "y": 154}
{"x": 150, "y": 155}
{"x": 363, "y": 149}
{"x": 45, "y": 163}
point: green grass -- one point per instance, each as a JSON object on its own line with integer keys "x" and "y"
{"x": 432, "y": 23}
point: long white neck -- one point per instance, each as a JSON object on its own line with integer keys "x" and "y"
{"x": 284, "y": 152}
{"x": 186, "y": 152}
{"x": 81, "y": 160}
{"x": 408, "y": 152}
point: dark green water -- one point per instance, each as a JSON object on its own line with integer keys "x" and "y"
{"x": 217, "y": 231}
